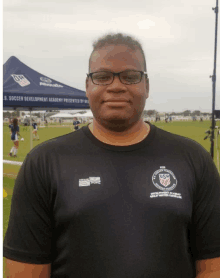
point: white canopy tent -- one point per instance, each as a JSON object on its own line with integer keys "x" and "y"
{"x": 78, "y": 115}
{"x": 63, "y": 115}
{"x": 84, "y": 117}
{"x": 88, "y": 114}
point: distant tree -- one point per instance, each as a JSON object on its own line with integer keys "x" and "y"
{"x": 15, "y": 114}
{"x": 186, "y": 113}
{"x": 196, "y": 113}
{"x": 6, "y": 114}
{"x": 151, "y": 112}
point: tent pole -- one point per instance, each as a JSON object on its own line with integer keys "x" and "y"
{"x": 31, "y": 143}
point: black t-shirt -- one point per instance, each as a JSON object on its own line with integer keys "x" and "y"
{"x": 147, "y": 210}
{"x": 34, "y": 125}
{"x": 76, "y": 123}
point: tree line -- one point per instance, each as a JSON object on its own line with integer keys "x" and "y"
{"x": 150, "y": 113}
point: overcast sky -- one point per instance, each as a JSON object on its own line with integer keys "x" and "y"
{"x": 55, "y": 38}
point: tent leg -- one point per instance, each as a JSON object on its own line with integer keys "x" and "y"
{"x": 31, "y": 143}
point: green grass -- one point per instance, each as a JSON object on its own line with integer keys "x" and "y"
{"x": 24, "y": 146}
{"x": 10, "y": 170}
{"x": 8, "y": 184}
{"x": 193, "y": 130}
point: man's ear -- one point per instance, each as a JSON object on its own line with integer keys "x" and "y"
{"x": 87, "y": 85}
{"x": 147, "y": 86}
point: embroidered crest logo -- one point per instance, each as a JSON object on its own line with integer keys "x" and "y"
{"x": 20, "y": 79}
{"x": 164, "y": 179}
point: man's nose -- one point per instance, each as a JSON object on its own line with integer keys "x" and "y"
{"x": 116, "y": 84}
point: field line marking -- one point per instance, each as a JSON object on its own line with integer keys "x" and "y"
{"x": 10, "y": 175}
{"x": 12, "y": 162}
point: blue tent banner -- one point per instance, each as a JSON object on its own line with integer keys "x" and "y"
{"x": 19, "y": 100}
{"x": 25, "y": 88}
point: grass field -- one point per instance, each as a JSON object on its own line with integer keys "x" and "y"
{"x": 193, "y": 130}
{"x": 24, "y": 146}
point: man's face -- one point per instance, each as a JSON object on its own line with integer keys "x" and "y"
{"x": 117, "y": 106}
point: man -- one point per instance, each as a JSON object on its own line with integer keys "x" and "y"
{"x": 36, "y": 136}
{"x": 14, "y": 137}
{"x": 76, "y": 123}
{"x": 120, "y": 197}
{"x": 10, "y": 124}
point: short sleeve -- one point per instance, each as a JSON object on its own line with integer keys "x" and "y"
{"x": 29, "y": 233}
{"x": 206, "y": 213}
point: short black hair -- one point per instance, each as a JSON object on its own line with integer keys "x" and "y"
{"x": 15, "y": 122}
{"x": 118, "y": 39}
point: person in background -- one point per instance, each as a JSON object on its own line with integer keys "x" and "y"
{"x": 46, "y": 123}
{"x": 25, "y": 126}
{"x": 14, "y": 137}
{"x": 36, "y": 136}
{"x": 76, "y": 123}
{"x": 10, "y": 124}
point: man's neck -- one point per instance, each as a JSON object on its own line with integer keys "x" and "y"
{"x": 134, "y": 135}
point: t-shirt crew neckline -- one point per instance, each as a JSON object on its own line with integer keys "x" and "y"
{"x": 133, "y": 147}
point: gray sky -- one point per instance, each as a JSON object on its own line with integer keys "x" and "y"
{"x": 55, "y": 38}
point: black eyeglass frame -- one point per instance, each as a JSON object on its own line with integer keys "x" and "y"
{"x": 117, "y": 74}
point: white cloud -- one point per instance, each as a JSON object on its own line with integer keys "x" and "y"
{"x": 146, "y": 24}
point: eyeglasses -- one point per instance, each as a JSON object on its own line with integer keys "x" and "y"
{"x": 126, "y": 77}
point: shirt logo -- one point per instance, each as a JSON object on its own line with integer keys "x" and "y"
{"x": 89, "y": 181}
{"x": 164, "y": 180}
{"x": 21, "y": 80}
{"x": 95, "y": 180}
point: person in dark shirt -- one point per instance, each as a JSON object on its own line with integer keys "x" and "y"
{"x": 119, "y": 198}
{"x": 76, "y": 123}
{"x": 10, "y": 124}
{"x": 14, "y": 137}
{"x": 36, "y": 136}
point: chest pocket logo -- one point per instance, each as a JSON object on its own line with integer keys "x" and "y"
{"x": 164, "y": 179}
{"x": 89, "y": 181}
